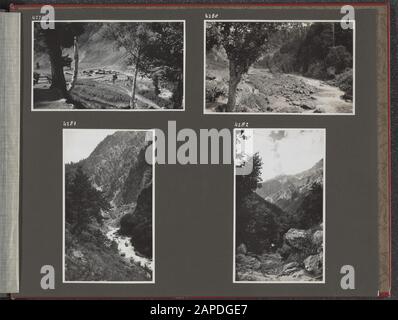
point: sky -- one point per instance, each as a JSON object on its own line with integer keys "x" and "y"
{"x": 286, "y": 151}
{"x": 79, "y": 143}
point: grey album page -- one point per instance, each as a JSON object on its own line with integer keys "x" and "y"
{"x": 9, "y": 151}
{"x": 199, "y": 152}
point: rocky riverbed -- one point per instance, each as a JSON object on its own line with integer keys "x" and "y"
{"x": 299, "y": 259}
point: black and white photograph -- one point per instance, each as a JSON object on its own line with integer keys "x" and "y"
{"x": 108, "y": 206}
{"x": 279, "y": 67}
{"x": 108, "y": 65}
{"x": 279, "y": 209}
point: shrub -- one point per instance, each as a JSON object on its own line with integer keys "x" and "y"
{"x": 138, "y": 225}
{"x": 214, "y": 90}
{"x": 282, "y": 62}
{"x": 316, "y": 70}
{"x": 344, "y": 82}
{"x": 339, "y": 58}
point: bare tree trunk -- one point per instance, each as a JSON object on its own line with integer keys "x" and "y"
{"x": 155, "y": 80}
{"x": 178, "y": 94}
{"x": 76, "y": 64}
{"x": 134, "y": 86}
{"x": 234, "y": 79}
{"x": 57, "y": 70}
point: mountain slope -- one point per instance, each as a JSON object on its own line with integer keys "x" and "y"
{"x": 95, "y": 50}
{"x": 287, "y": 191}
{"x": 117, "y": 166}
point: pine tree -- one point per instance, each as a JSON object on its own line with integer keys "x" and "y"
{"x": 83, "y": 202}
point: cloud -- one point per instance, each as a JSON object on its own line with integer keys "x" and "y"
{"x": 277, "y": 135}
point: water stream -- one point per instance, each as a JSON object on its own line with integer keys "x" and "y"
{"x": 126, "y": 249}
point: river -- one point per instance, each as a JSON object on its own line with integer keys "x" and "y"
{"x": 126, "y": 249}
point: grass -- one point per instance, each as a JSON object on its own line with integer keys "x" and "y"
{"x": 91, "y": 94}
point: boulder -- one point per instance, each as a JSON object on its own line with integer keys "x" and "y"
{"x": 317, "y": 238}
{"x": 251, "y": 276}
{"x": 285, "y": 250}
{"x": 248, "y": 262}
{"x": 290, "y": 268}
{"x": 270, "y": 261}
{"x": 290, "y": 265}
{"x": 241, "y": 249}
{"x": 314, "y": 264}
{"x": 308, "y": 105}
{"x": 297, "y": 238}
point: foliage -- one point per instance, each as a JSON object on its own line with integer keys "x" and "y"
{"x": 53, "y": 41}
{"x": 311, "y": 209}
{"x": 138, "y": 225}
{"x": 166, "y": 54}
{"x": 82, "y": 201}
{"x": 325, "y": 45}
{"x": 256, "y": 225}
{"x": 64, "y": 33}
{"x": 338, "y": 58}
{"x": 246, "y": 184}
{"x": 243, "y": 42}
{"x": 154, "y": 49}
{"x": 214, "y": 90}
{"x": 344, "y": 82}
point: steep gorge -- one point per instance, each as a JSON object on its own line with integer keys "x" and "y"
{"x": 117, "y": 167}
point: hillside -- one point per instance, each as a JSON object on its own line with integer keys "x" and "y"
{"x": 279, "y": 227}
{"x": 286, "y": 191}
{"x": 94, "y": 50}
{"x": 270, "y": 247}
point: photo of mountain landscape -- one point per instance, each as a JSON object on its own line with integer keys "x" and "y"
{"x": 108, "y": 206}
{"x": 279, "y": 205}
{"x": 277, "y": 67}
{"x": 134, "y": 65}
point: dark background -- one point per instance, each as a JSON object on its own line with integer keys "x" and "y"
{"x": 4, "y": 4}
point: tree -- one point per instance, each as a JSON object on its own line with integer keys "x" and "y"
{"x": 133, "y": 38}
{"x": 76, "y": 64}
{"x": 165, "y": 57}
{"x": 138, "y": 225}
{"x": 53, "y": 41}
{"x": 310, "y": 212}
{"x": 246, "y": 184}
{"x": 82, "y": 201}
{"x": 244, "y": 42}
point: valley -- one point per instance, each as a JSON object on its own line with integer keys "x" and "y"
{"x": 113, "y": 183}
{"x": 280, "y": 229}
{"x": 117, "y": 66}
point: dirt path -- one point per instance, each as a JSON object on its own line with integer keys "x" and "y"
{"x": 48, "y": 99}
{"x": 142, "y": 99}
